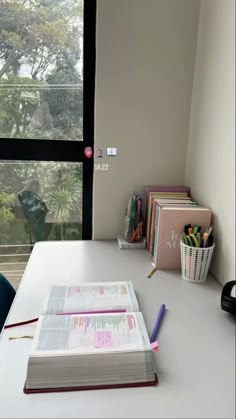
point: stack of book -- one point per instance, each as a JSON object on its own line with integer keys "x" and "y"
{"x": 167, "y": 210}
{"x": 91, "y": 336}
{"x": 164, "y": 192}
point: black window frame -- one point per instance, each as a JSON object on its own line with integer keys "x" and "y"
{"x": 69, "y": 150}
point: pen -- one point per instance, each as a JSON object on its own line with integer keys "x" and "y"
{"x": 189, "y": 242}
{"x": 195, "y": 229}
{"x": 209, "y": 231}
{"x": 186, "y": 227}
{"x": 195, "y": 242}
{"x": 157, "y": 323}
{"x": 210, "y": 241}
{"x": 136, "y": 231}
{"x": 205, "y": 236}
{"x": 202, "y": 243}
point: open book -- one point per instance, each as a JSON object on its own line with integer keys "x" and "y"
{"x": 93, "y": 349}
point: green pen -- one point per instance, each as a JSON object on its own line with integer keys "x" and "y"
{"x": 198, "y": 238}
{"x": 194, "y": 240}
{"x": 189, "y": 242}
{"x": 195, "y": 229}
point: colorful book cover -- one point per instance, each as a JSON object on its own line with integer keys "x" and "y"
{"x": 170, "y": 231}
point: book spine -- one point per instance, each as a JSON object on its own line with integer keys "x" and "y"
{"x": 155, "y": 247}
{"x": 153, "y": 213}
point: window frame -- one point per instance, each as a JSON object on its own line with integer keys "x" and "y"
{"x": 69, "y": 150}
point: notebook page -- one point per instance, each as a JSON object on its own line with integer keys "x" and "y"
{"x": 91, "y": 297}
{"x": 84, "y": 334}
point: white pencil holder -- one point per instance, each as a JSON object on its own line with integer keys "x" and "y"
{"x": 195, "y": 262}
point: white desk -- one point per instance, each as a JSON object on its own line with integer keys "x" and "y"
{"x": 196, "y": 361}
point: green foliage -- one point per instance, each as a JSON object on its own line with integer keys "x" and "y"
{"x": 7, "y": 199}
{"x": 65, "y": 199}
{"x": 6, "y": 202}
{"x": 6, "y": 215}
{"x": 34, "y": 31}
{"x": 61, "y": 205}
{"x": 39, "y": 43}
{"x": 19, "y": 98}
{"x": 65, "y": 105}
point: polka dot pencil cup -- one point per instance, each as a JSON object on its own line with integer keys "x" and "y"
{"x": 195, "y": 262}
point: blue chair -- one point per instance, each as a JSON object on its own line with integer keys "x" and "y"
{"x": 35, "y": 211}
{"x": 7, "y": 294}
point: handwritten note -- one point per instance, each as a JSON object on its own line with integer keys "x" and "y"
{"x": 103, "y": 339}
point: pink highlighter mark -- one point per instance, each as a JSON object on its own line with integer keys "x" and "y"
{"x": 72, "y": 291}
{"x": 131, "y": 321}
{"x": 103, "y": 339}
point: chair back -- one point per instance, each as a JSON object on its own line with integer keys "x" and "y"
{"x": 33, "y": 206}
{"x": 7, "y": 294}
{"x": 35, "y": 211}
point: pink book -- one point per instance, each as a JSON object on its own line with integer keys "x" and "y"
{"x": 170, "y": 231}
{"x": 155, "y": 202}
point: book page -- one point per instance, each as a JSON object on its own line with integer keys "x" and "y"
{"x": 90, "y": 333}
{"x": 91, "y": 297}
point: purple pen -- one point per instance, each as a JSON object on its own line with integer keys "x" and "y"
{"x": 158, "y": 322}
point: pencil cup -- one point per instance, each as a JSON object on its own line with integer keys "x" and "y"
{"x": 195, "y": 262}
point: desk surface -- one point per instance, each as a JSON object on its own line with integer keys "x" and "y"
{"x": 195, "y": 363}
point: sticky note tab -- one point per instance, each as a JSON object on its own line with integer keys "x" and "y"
{"x": 155, "y": 346}
{"x": 103, "y": 339}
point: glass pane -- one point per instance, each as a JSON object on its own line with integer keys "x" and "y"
{"x": 41, "y": 69}
{"x": 38, "y": 201}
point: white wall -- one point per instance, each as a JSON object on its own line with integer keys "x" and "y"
{"x": 144, "y": 76}
{"x": 210, "y": 166}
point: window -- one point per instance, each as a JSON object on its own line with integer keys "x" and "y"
{"x": 47, "y": 73}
